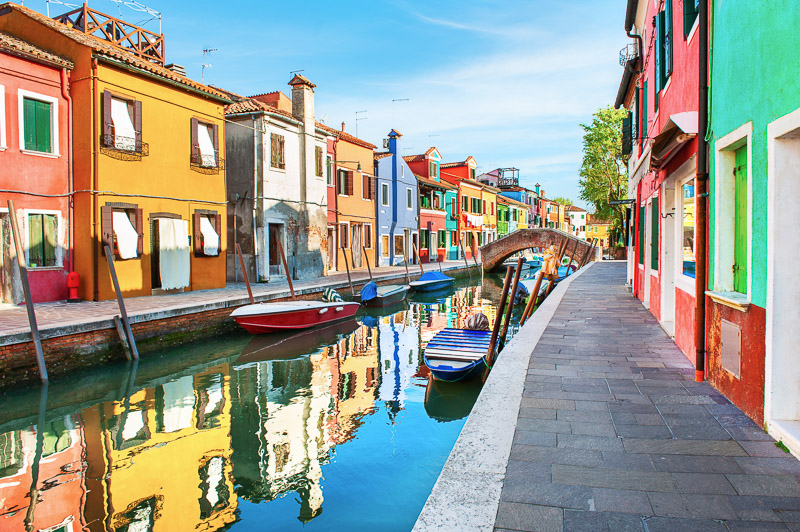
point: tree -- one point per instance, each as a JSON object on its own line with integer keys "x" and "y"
{"x": 563, "y": 201}
{"x": 604, "y": 171}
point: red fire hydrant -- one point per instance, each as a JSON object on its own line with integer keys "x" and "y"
{"x": 73, "y": 283}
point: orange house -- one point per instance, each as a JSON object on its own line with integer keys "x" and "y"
{"x": 148, "y": 158}
{"x": 471, "y": 200}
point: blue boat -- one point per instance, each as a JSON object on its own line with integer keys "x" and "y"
{"x": 430, "y": 281}
{"x": 457, "y": 354}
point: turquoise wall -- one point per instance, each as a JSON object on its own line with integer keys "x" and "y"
{"x": 755, "y": 77}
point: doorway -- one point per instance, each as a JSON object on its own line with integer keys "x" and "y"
{"x": 170, "y": 263}
{"x": 782, "y": 372}
{"x": 648, "y": 242}
{"x": 6, "y": 266}
{"x": 355, "y": 246}
{"x": 274, "y": 235}
{"x": 672, "y": 248}
{"x": 331, "y": 249}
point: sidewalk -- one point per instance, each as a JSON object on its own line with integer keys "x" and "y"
{"x": 614, "y": 434}
{"x": 61, "y": 318}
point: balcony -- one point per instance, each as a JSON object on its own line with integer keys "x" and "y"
{"x": 628, "y": 53}
{"x": 205, "y": 165}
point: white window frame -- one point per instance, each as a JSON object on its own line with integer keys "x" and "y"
{"x": 329, "y": 171}
{"x": 724, "y": 205}
{"x": 3, "y": 140}
{"x": 683, "y": 281}
{"x": 22, "y": 94}
{"x": 409, "y": 198}
{"x": 384, "y": 194}
{"x": 204, "y": 157}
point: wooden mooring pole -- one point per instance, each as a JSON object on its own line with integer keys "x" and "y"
{"x": 419, "y": 260}
{"x": 121, "y": 302}
{"x": 349, "y": 279}
{"x": 244, "y": 272}
{"x": 510, "y": 309}
{"x": 498, "y": 319}
{"x": 366, "y": 259}
{"x": 532, "y": 299}
{"x": 286, "y": 268}
{"x": 22, "y": 267}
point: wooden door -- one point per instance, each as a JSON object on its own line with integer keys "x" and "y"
{"x": 331, "y": 249}
{"x": 6, "y": 268}
{"x": 355, "y": 246}
{"x": 274, "y": 236}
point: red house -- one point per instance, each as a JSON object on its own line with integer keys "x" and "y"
{"x": 36, "y": 157}
{"x": 659, "y": 88}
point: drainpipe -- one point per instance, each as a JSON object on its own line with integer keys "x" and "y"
{"x": 95, "y": 172}
{"x": 71, "y": 210}
{"x": 701, "y": 249}
{"x": 336, "y": 198}
{"x": 257, "y": 154}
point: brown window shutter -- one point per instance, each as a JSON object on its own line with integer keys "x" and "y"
{"x": 137, "y": 124}
{"x": 364, "y": 186}
{"x": 196, "y": 234}
{"x": 106, "y": 227}
{"x": 215, "y": 140}
{"x": 108, "y": 125}
{"x": 139, "y": 229}
{"x": 282, "y": 158}
{"x": 218, "y": 229}
{"x": 195, "y": 145}
{"x": 349, "y": 183}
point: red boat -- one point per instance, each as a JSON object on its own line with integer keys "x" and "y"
{"x": 291, "y": 315}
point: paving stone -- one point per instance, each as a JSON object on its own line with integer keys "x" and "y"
{"x": 617, "y": 460}
{"x": 613, "y": 478}
{"x": 770, "y": 485}
{"x": 625, "y": 501}
{"x": 700, "y": 433}
{"x": 697, "y": 464}
{"x": 706, "y": 483}
{"x": 529, "y": 518}
{"x": 755, "y": 526}
{"x": 648, "y": 419}
{"x": 550, "y": 404}
{"x": 671, "y": 524}
{"x": 583, "y": 415}
{"x": 599, "y": 443}
{"x": 586, "y": 457}
{"x": 764, "y": 448}
{"x": 686, "y": 447}
{"x": 593, "y": 429}
{"x": 643, "y": 431}
{"x": 544, "y": 425}
{"x": 532, "y": 437}
{"x": 592, "y": 406}
{"x": 516, "y": 489}
{"x": 758, "y": 465}
{"x": 537, "y": 413}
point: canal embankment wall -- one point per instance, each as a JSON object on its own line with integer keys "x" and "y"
{"x": 83, "y": 335}
{"x": 466, "y": 495}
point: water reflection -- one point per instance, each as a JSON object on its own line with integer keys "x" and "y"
{"x": 249, "y": 432}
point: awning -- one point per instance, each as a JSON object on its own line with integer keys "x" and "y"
{"x": 680, "y": 128}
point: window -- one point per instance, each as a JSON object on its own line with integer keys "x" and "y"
{"x": 399, "y": 246}
{"x": 453, "y": 238}
{"x": 424, "y": 239}
{"x": 641, "y": 234}
{"x": 384, "y": 245}
{"x": 691, "y": 8}
{"x": 122, "y": 124}
{"x": 367, "y": 236}
{"x": 740, "y": 217}
{"x": 436, "y": 201}
{"x": 483, "y": 207}
{"x": 367, "y": 187}
{"x": 318, "y": 161}
{"x": 491, "y": 208}
{"x": 442, "y": 243}
{"x": 385, "y": 195}
{"x": 663, "y": 49}
{"x": 643, "y": 127}
{"x": 431, "y": 169}
{"x": 42, "y": 240}
{"x": 38, "y": 123}
{"x": 453, "y": 211}
{"x": 277, "y": 146}
{"x": 687, "y": 234}
{"x": 409, "y": 199}
{"x": 3, "y": 141}
{"x": 344, "y": 241}
{"x": 205, "y": 144}
{"x": 207, "y": 230}
{"x": 330, "y": 170}
{"x": 464, "y": 204}
{"x": 121, "y": 229}
{"x": 345, "y": 183}
{"x": 472, "y": 173}
{"x": 655, "y": 219}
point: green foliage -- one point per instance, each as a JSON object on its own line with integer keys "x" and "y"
{"x": 563, "y": 201}
{"x": 604, "y": 171}
{"x": 782, "y": 446}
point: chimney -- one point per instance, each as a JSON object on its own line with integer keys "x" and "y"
{"x": 537, "y": 187}
{"x": 394, "y": 142}
{"x": 342, "y": 126}
{"x": 303, "y": 101}
{"x": 178, "y": 69}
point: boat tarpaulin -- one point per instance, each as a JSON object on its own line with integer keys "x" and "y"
{"x": 434, "y": 276}
{"x": 210, "y": 237}
{"x": 127, "y": 237}
{"x": 370, "y": 291}
{"x": 173, "y": 248}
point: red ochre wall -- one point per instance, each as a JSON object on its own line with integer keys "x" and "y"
{"x": 655, "y": 295}
{"x": 684, "y": 323}
{"x": 747, "y": 392}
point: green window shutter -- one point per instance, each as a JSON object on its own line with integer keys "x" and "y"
{"x": 644, "y": 112}
{"x": 641, "y": 234}
{"x": 690, "y": 12}
{"x": 668, "y": 33}
{"x": 627, "y": 141}
{"x": 654, "y": 219}
{"x": 29, "y": 122}
{"x": 658, "y": 52}
{"x": 740, "y": 223}
{"x": 43, "y": 138}
{"x": 49, "y": 240}
{"x": 35, "y": 248}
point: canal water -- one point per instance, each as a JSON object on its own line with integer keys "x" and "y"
{"x": 331, "y": 429}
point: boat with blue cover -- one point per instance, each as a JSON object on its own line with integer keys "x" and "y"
{"x": 430, "y": 281}
{"x": 373, "y": 295}
{"x": 457, "y": 354}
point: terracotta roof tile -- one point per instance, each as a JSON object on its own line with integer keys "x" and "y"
{"x": 453, "y": 165}
{"x": 381, "y": 154}
{"x": 414, "y": 158}
{"x": 347, "y": 137}
{"x": 113, "y": 52}
{"x": 435, "y": 184}
{"x": 19, "y": 47}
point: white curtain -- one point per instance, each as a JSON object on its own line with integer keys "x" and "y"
{"x": 210, "y": 237}
{"x": 173, "y": 247}
{"x": 127, "y": 237}
{"x": 207, "y": 155}
{"x": 124, "y": 132}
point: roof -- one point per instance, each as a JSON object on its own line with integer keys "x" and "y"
{"x": 574, "y": 208}
{"x": 25, "y": 49}
{"x": 592, "y": 219}
{"x": 381, "y": 154}
{"x": 625, "y": 83}
{"x": 453, "y": 165}
{"x": 248, "y": 105}
{"x": 511, "y": 201}
{"x": 435, "y": 184}
{"x": 347, "y": 137}
{"x": 113, "y": 52}
{"x": 414, "y": 158}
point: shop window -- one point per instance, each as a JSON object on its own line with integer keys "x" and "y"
{"x": 207, "y": 233}
{"x": 38, "y": 123}
{"x": 122, "y": 229}
{"x": 688, "y": 261}
{"x": 399, "y": 246}
{"x": 205, "y": 145}
{"x": 277, "y": 151}
{"x": 42, "y": 240}
{"x": 385, "y": 194}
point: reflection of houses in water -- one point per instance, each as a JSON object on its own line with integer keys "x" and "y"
{"x": 302, "y": 408}
{"x": 162, "y": 459}
{"x": 399, "y": 356}
{"x": 467, "y": 301}
{"x": 61, "y": 492}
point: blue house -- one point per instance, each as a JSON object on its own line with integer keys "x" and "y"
{"x": 397, "y": 205}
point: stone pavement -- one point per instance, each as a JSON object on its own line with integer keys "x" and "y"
{"x": 614, "y": 434}
{"x": 54, "y": 317}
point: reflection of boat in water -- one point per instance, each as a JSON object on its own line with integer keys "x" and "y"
{"x": 448, "y": 401}
{"x": 369, "y": 315}
{"x": 291, "y": 345}
{"x": 433, "y": 297}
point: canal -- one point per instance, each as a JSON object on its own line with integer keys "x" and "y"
{"x": 331, "y": 429}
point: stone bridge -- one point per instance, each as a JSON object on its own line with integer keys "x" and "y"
{"x": 494, "y": 253}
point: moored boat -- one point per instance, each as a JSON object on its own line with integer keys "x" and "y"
{"x": 373, "y": 295}
{"x": 291, "y": 315}
{"x": 457, "y": 354}
{"x": 430, "y": 281}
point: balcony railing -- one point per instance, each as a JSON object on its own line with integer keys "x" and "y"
{"x": 628, "y": 53}
{"x": 205, "y": 165}
{"x": 123, "y": 148}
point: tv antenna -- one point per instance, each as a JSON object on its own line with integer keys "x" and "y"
{"x": 357, "y": 119}
{"x": 138, "y": 6}
{"x": 60, "y": 3}
{"x": 205, "y": 65}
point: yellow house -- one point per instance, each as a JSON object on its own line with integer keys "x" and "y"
{"x": 489, "y": 206}
{"x": 148, "y": 166}
{"x": 599, "y": 229}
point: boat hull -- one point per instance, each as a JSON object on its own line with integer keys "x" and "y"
{"x": 301, "y": 318}
{"x": 445, "y": 373}
{"x": 387, "y": 297}
{"x": 431, "y": 286}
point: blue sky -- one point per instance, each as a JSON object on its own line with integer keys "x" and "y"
{"x": 507, "y": 82}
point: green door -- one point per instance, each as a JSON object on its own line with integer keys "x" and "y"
{"x": 740, "y": 222}
{"x": 654, "y": 219}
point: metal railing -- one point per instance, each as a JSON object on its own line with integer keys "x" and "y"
{"x": 628, "y": 53}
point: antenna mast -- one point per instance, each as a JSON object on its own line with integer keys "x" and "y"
{"x": 205, "y": 65}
